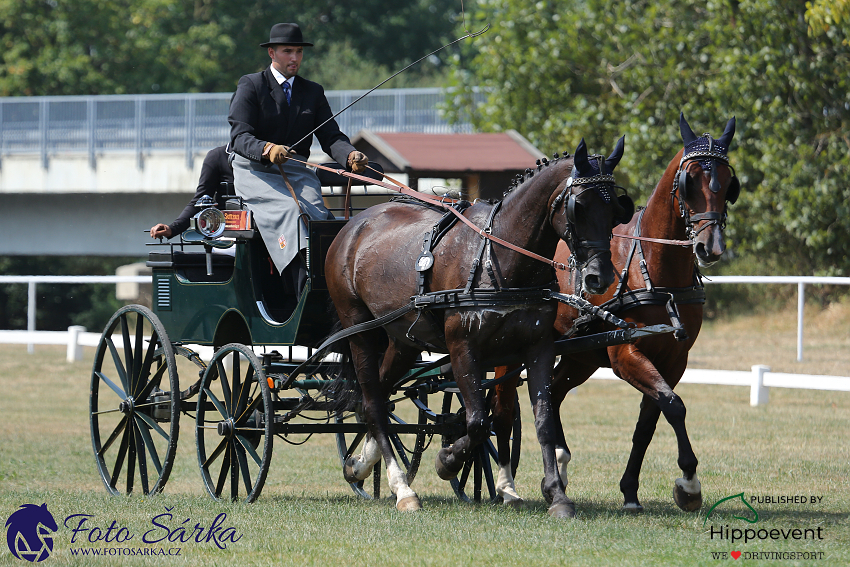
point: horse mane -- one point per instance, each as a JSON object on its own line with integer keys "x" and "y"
{"x": 522, "y": 178}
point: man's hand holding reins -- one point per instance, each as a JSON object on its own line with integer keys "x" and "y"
{"x": 277, "y": 154}
{"x": 357, "y": 162}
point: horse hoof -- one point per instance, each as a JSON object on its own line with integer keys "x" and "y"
{"x": 442, "y": 470}
{"x": 685, "y": 500}
{"x": 409, "y": 504}
{"x": 348, "y": 470}
{"x": 563, "y": 510}
{"x": 516, "y": 503}
{"x": 633, "y": 507}
{"x": 543, "y": 490}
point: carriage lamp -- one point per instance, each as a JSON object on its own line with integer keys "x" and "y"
{"x": 210, "y": 221}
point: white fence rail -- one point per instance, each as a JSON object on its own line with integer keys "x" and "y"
{"x": 32, "y": 281}
{"x": 801, "y": 281}
{"x": 759, "y": 379}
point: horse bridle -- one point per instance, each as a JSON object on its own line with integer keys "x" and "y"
{"x": 680, "y": 191}
{"x": 567, "y": 200}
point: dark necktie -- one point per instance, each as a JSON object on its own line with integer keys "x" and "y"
{"x": 287, "y": 91}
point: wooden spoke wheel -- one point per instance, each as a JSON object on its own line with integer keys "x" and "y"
{"x": 134, "y": 403}
{"x": 483, "y": 461}
{"x": 407, "y": 447}
{"x": 233, "y": 425}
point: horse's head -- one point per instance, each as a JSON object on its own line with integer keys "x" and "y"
{"x": 590, "y": 208}
{"x": 703, "y": 185}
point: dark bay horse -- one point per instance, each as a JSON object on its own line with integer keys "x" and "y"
{"x": 688, "y": 205}
{"x": 371, "y": 270}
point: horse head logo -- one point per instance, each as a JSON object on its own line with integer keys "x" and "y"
{"x": 743, "y": 501}
{"x": 29, "y": 532}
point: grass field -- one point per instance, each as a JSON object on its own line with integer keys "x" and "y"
{"x": 795, "y": 446}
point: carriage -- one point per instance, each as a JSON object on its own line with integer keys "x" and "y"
{"x": 216, "y": 288}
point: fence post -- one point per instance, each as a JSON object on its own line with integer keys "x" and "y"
{"x": 801, "y": 302}
{"x": 75, "y": 349}
{"x": 759, "y": 393}
{"x": 30, "y": 314}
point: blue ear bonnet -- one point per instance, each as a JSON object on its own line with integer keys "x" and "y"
{"x": 705, "y": 144}
{"x": 596, "y": 178}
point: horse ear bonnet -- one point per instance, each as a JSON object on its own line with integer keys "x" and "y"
{"x": 615, "y": 156}
{"x": 706, "y": 143}
{"x": 628, "y": 209}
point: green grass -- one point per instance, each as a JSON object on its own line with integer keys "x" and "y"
{"x": 307, "y": 515}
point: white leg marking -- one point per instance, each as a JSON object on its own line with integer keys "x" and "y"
{"x": 505, "y": 486}
{"x": 370, "y": 455}
{"x": 398, "y": 481}
{"x": 690, "y": 486}
{"x": 563, "y": 459}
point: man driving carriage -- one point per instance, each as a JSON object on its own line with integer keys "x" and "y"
{"x": 272, "y": 117}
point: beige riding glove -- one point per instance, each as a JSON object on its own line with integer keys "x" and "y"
{"x": 276, "y": 153}
{"x": 357, "y": 162}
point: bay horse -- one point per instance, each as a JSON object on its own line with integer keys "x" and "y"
{"x": 371, "y": 271}
{"x": 661, "y": 286}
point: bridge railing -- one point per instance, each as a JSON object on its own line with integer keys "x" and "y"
{"x": 189, "y": 122}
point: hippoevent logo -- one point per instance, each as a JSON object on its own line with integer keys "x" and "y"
{"x": 733, "y": 497}
{"x": 744, "y": 535}
{"x": 29, "y": 532}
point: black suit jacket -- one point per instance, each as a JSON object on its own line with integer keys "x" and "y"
{"x": 259, "y": 114}
{"x": 215, "y": 171}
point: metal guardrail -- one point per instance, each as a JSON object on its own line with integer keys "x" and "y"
{"x": 189, "y": 122}
{"x": 801, "y": 282}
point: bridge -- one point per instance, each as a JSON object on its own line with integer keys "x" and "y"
{"x": 86, "y": 175}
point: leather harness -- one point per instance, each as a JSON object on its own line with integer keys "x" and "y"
{"x": 670, "y": 297}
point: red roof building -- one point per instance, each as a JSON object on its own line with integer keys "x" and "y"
{"x": 485, "y": 163}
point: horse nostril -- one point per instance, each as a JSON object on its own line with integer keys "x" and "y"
{"x": 591, "y": 282}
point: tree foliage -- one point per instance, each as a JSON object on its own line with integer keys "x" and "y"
{"x": 829, "y": 17}
{"x": 72, "y": 47}
{"x": 560, "y": 70}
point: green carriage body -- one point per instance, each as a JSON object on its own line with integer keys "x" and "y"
{"x": 242, "y": 301}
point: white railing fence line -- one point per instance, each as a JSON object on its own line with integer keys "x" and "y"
{"x": 32, "y": 281}
{"x": 759, "y": 380}
{"x": 801, "y": 281}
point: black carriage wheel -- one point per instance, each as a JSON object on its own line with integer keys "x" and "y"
{"x": 134, "y": 403}
{"x": 408, "y": 455}
{"x": 233, "y": 425}
{"x": 483, "y": 461}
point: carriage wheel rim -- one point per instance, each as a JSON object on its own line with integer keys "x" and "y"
{"x": 234, "y": 467}
{"x": 134, "y": 448}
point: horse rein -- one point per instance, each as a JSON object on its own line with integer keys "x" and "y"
{"x": 442, "y": 203}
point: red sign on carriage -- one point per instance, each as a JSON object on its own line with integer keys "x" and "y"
{"x": 237, "y": 220}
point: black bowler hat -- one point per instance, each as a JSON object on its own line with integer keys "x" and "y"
{"x": 285, "y": 34}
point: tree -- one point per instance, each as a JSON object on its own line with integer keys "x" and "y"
{"x": 560, "y": 70}
{"x": 65, "y": 47}
{"x": 829, "y": 17}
